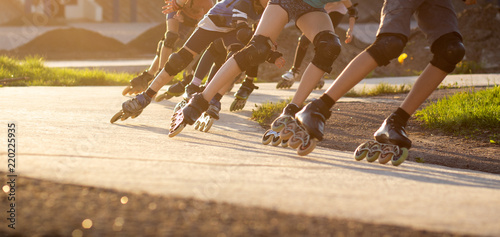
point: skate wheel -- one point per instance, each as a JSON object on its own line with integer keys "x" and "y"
{"x": 197, "y": 125}
{"x": 308, "y": 148}
{"x": 116, "y": 116}
{"x": 284, "y": 143}
{"x": 361, "y": 152}
{"x": 135, "y": 116}
{"x": 372, "y": 156}
{"x": 202, "y": 127}
{"x": 294, "y": 142}
{"x": 276, "y": 141}
{"x": 209, "y": 125}
{"x": 124, "y": 117}
{"x": 384, "y": 158}
{"x": 160, "y": 97}
{"x": 288, "y": 132}
{"x": 267, "y": 137}
{"x": 176, "y": 131}
{"x": 126, "y": 90}
{"x": 401, "y": 157}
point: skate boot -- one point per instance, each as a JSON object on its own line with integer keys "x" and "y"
{"x": 288, "y": 79}
{"x": 282, "y": 127}
{"x": 391, "y": 143}
{"x": 132, "y": 108}
{"x": 138, "y": 84}
{"x": 205, "y": 122}
{"x": 191, "y": 89}
{"x": 313, "y": 117}
{"x": 176, "y": 89}
{"x": 188, "y": 115}
{"x": 242, "y": 95}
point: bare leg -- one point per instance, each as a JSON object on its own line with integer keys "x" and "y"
{"x": 275, "y": 19}
{"x": 308, "y": 23}
{"x": 426, "y": 83}
{"x": 357, "y": 69}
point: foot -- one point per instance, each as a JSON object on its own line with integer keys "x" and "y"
{"x": 245, "y": 90}
{"x": 134, "y": 106}
{"x": 195, "y": 107}
{"x": 313, "y": 117}
{"x": 214, "y": 109}
{"x": 393, "y": 132}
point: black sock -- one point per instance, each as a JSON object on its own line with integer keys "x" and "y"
{"x": 150, "y": 92}
{"x": 218, "y": 97}
{"x": 328, "y": 100}
{"x": 402, "y": 114}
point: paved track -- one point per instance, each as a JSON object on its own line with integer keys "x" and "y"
{"x": 64, "y": 135}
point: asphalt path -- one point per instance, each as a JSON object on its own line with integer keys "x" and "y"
{"x": 64, "y": 135}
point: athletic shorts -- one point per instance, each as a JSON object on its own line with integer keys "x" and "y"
{"x": 435, "y": 17}
{"x": 295, "y": 8}
{"x": 201, "y": 39}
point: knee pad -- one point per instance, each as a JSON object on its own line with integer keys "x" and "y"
{"x": 448, "y": 50}
{"x": 387, "y": 47}
{"x": 170, "y": 39}
{"x": 178, "y": 61}
{"x": 327, "y": 49}
{"x": 304, "y": 42}
{"x": 255, "y": 53}
{"x": 160, "y": 45}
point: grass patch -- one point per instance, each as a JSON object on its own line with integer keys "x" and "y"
{"x": 40, "y": 75}
{"x": 465, "y": 113}
{"x": 263, "y": 114}
{"x": 380, "y": 89}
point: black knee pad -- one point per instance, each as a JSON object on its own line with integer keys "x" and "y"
{"x": 252, "y": 71}
{"x": 255, "y": 53}
{"x": 448, "y": 50}
{"x": 327, "y": 49}
{"x": 178, "y": 61}
{"x": 304, "y": 42}
{"x": 387, "y": 47}
{"x": 170, "y": 39}
{"x": 160, "y": 45}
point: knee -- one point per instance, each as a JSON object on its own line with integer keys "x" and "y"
{"x": 387, "y": 47}
{"x": 255, "y": 53}
{"x": 448, "y": 50}
{"x": 327, "y": 48}
{"x": 178, "y": 61}
{"x": 170, "y": 39}
{"x": 218, "y": 51}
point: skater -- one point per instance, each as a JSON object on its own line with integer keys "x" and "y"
{"x": 437, "y": 19}
{"x": 336, "y": 11}
{"x": 311, "y": 18}
{"x": 179, "y": 24}
{"x": 225, "y": 20}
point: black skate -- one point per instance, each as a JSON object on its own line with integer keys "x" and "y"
{"x": 132, "y": 108}
{"x": 242, "y": 95}
{"x": 288, "y": 79}
{"x": 191, "y": 89}
{"x": 205, "y": 122}
{"x": 313, "y": 117}
{"x": 175, "y": 90}
{"x": 391, "y": 143}
{"x": 188, "y": 115}
{"x": 139, "y": 84}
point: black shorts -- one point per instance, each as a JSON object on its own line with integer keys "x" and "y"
{"x": 201, "y": 39}
{"x": 295, "y": 8}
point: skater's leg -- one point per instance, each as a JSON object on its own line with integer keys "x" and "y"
{"x": 327, "y": 47}
{"x": 171, "y": 36}
{"x": 300, "y": 52}
{"x": 272, "y": 22}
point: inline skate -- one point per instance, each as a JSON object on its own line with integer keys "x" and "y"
{"x": 188, "y": 114}
{"x": 175, "y": 90}
{"x": 139, "y": 84}
{"x": 288, "y": 79}
{"x": 242, "y": 95}
{"x": 391, "y": 143}
{"x": 132, "y": 107}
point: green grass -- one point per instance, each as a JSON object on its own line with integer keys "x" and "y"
{"x": 382, "y": 88}
{"x": 39, "y": 75}
{"x": 465, "y": 113}
{"x": 265, "y": 112}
